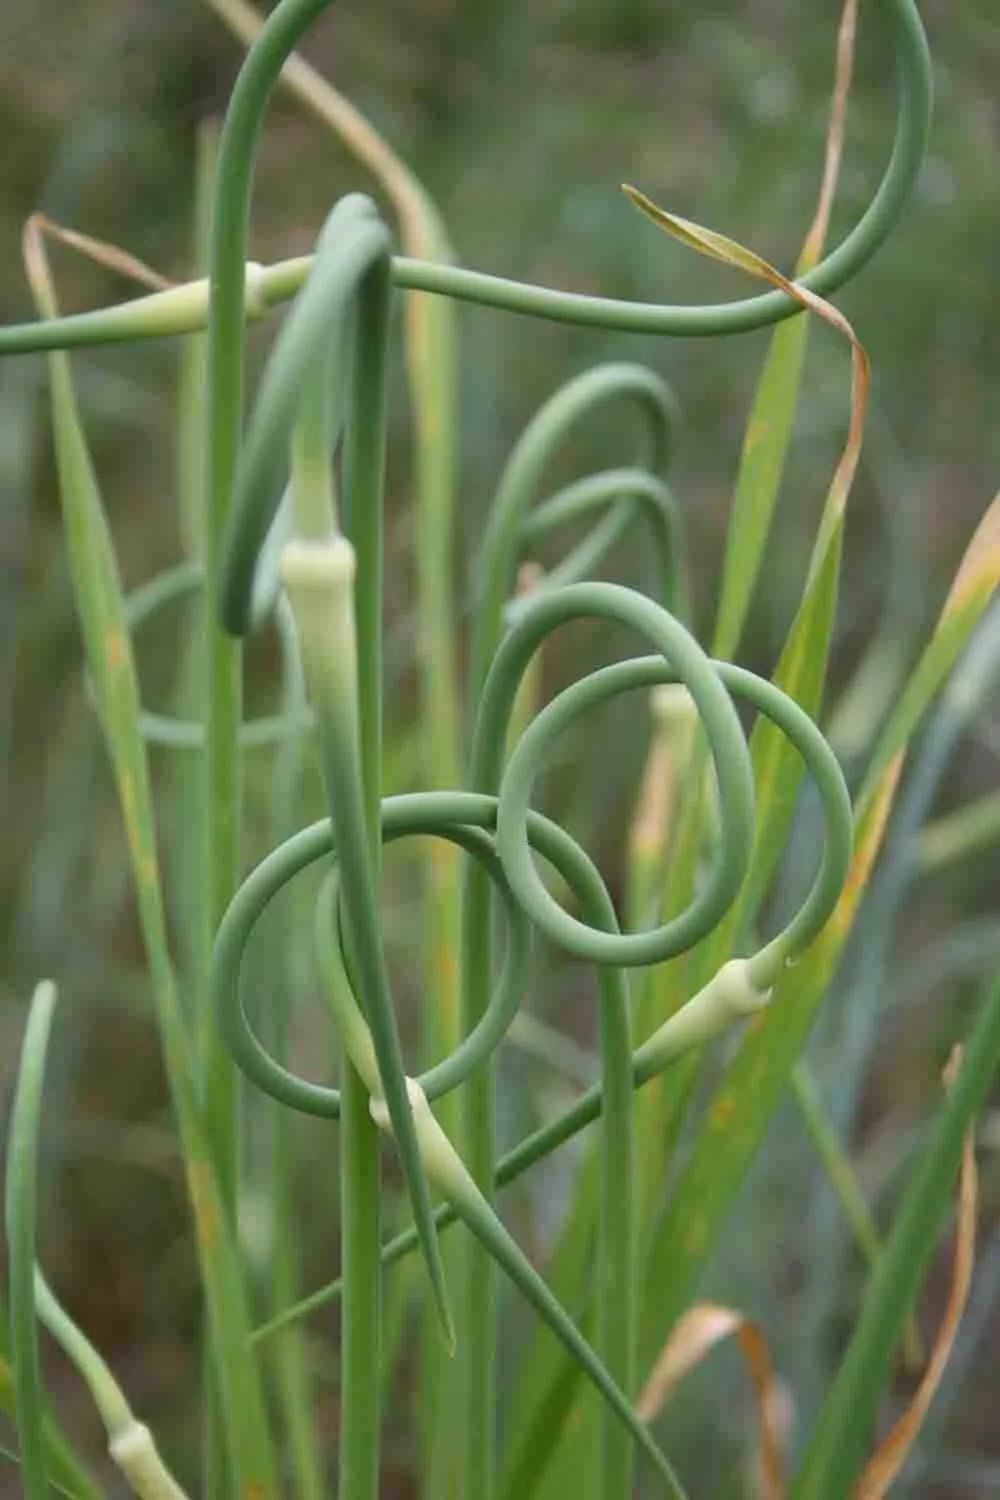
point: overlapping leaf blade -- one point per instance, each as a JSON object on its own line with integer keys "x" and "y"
{"x": 111, "y": 664}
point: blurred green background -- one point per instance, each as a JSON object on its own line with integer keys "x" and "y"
{"x": 522, "y": 120}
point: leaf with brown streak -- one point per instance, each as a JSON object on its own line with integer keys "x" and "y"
{"x": 890, "y": 1456}
{"x": 694, "y": 1337}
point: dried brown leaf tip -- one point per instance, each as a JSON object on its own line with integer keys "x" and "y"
{"x": 708, "y": 1324}
{"x": 720, "y": 247}
{"x": 812, "y": 248}
{"x": 112, "y": 257}
{"x": 694, "y": 1337}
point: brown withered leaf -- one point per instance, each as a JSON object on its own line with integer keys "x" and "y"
{"x": 113, "y": 257}
{"x": 698, "y": 1332}
{"x": 812, "y": 248}
{"x": 720, "y": 247}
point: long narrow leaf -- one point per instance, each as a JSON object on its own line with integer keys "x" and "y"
{"x": 46, "y": 1456}
{"x": 772, "y": 416}
{"x": 432, "y": 388}
{"x": 970, "y": 593}
{"x": 762, "y": 460}
{"x": 755, "y": 1082}
{"x": 837, "y": 1449}
{"x": 801, "y": 671}
{"x": 888, "y": 1459}
{"x": 750, "y": 1091}
{"x": 112, "y": 668}
{"x": 22, "y": 1154}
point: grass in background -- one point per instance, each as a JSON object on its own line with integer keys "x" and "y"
{"x": 629, "y": 1258}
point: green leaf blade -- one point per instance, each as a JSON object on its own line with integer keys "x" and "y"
{"x": 110, "y": 660}
{"x": 837, "y": 1450}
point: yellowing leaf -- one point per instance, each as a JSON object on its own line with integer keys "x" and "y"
{"x": 980, "y": 566}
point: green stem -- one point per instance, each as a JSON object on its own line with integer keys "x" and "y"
{"x": 315, "y": 518}
{"x": 617, "y": 1307}
{"x": 651, "y": 500}
{"x": 474, "y": 1210}
{"x": 291, "y": 1361}
{"x": 509, "y": 524}
{"x": 227, "y": 285}
{"x": 707, "y": 1016}
{"x": 100, "y": 605}
{"x": 446, "y": 1168}
{"x": 319, "y": 580}
{"x": 739, "y": 988}
{"x": 22, "y": 1151}
{"x": 182, "y": 310}
{"x": 361, "y": 1334}
{"x": 130, "y": 1442}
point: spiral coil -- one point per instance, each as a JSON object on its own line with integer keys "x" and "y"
{"x": 302, "y": 400}
{"x": 323, "y": 388}
{"x": 494, "y": 821}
